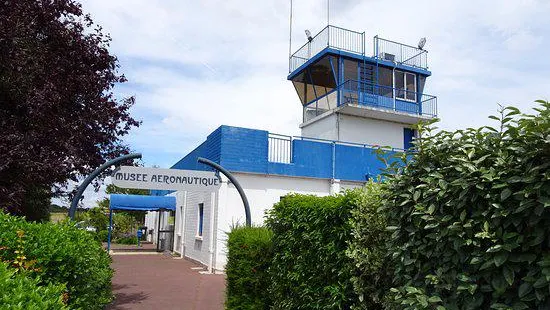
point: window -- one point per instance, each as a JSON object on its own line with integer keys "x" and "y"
{"x": 350, "y": 70}
{"x": 405, "y": 85}
{"x": 385, "y": 80}
{"x": 200, "y": 219}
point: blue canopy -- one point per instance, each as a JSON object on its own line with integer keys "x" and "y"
{"x": 142, "y": 202}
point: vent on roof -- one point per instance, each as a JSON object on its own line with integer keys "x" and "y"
{"x": 387, "y": 56}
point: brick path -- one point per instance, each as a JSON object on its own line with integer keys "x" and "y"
{"x": 162, "y": 282}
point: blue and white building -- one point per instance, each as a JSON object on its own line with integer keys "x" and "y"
{"x": 353, "y": 103}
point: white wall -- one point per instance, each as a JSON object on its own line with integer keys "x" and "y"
{"x": 152, "y": 221}
{"x": 195, "y": 247}
{"x": 348, "y": 128}
{"x": 370, "y": 131}
{"x": 324, "y": 128}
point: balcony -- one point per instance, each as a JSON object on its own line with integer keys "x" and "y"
{"x": 365, "y": 98}
{"x": 353, "y": 42}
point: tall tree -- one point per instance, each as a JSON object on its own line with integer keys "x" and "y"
{"x": 59, "y": 118}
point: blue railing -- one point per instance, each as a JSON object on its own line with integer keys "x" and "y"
{"x": 378, "y": 96}
{"x": 400, "y": 53}
{"x": 330, "y": 36}
{"x": 280, "y": 146}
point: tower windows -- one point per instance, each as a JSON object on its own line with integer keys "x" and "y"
{"x": 405, "y": 85}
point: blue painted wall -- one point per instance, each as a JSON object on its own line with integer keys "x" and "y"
{"x": 246, "y": 150}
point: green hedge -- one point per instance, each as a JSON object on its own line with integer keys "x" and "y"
{"x": 64, "y": 254}
{"x": 126, "y": 240}
{"x": 18, "y": 292}
{"x": 471, "y": 217}
{"x": 249, "y": 257}
{"x": 368, "y": 246}
{"x": 310, "y": 269}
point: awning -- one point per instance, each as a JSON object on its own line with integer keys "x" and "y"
{"x": 142, "y": 202}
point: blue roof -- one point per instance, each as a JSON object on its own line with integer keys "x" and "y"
{"x": 142, "y": 202}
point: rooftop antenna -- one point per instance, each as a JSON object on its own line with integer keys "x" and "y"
{"x": 308, "y": 34}
{"x": 421, "y": 43}
{"x": 290, "y": 35}
{"x": 328, "y": 12}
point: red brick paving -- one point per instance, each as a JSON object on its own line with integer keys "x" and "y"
{"x": 162, "y": 282}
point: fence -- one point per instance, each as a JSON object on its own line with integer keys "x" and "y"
{"x": 386, "y": 97}
{"x": 330, "y": 36}
{"x": 403, "y": 54}
{"x": 279, "y": 148}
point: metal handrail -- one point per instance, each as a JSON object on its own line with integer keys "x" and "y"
{"x": 427, "y": 104}
{"x": 404, "y": 54}
{"x": 384, "y": 86}
{"x": 302, "y": 138}
{"x": 352, "y": 41}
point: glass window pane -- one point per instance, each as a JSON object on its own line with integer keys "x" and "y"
{"x": 400, "y": 84}
{"x": 411, "y": 87}
{"x": 385, "y": 80}
{"x": 399, "y": 80}
{"x": 350, "y": 70}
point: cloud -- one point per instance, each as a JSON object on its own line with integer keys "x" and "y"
{"x": 195, "y": 65}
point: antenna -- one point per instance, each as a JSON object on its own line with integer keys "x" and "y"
{"x": 421, "y": 43}
{"x": 328, "y": 12}
{"x": 290, "y": 35}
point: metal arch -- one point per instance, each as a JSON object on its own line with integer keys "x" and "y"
{"x": 93, "y": 175}
{"x": 234, "y": 181}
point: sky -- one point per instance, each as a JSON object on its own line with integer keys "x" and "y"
{"x": 196, "y": 65}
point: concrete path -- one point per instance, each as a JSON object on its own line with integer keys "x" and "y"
{"x": 163, "y": 282}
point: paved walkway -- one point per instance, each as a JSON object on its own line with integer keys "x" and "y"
{"x": 163, "y": 282}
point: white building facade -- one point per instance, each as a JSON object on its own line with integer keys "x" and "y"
{"x": 353, "y": 104}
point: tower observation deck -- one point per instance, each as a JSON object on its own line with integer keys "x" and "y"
{"x": 332, "y": 73}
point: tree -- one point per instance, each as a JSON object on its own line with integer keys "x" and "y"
{"x": 59, "y": 118}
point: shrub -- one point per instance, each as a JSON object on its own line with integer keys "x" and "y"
{"x": 102, "y": 235}
{"x": 126, "y": 240}
{"x": 98, "y": 218}
{"x": 249, "y": 256}
{"x": 124, "y": 225}
{"x": 310, "y": 269}
{"x": 368, "y": 246}
{"x": 17, "y": 291}
{"x": 471, "y": 217}
{"x": 63, "y": 254}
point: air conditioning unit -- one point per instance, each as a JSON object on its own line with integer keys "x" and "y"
{"x": 387, "y": 56}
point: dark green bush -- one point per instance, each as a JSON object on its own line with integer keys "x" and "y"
{"x": 470, "y": 216}
{"x": 310, "y": 269}
{"x": 64, "y": 254}
{"x": 368, "y": 246}
{"x": 126, "y": 240}
{"x": 102, "y": 235}
{"x": 17, "y": 291}
{"x": 248, "y": 259}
